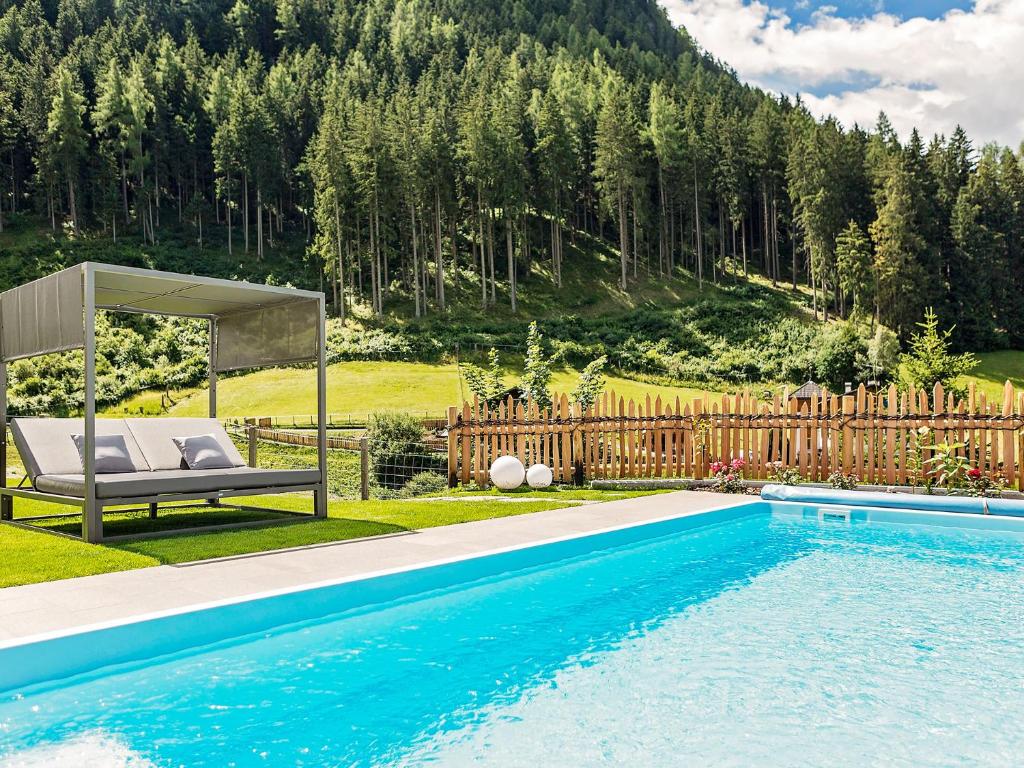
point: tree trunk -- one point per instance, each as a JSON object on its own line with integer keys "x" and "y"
{"x": 699, "y": 256}
{"x": 623, "y": 238}
{"x": 245, "y": 208}
{"x": 341, "y": 261}
{"x": 777, "y": 268}
{"x": 270, "y": 225}
{"x": 662, "y": 225}
{"x": 483, "y": 249}
{"x": 743, "y": 242}
{"x": 259, "y": 223}
{"x": 72, "y": 205}
{"x": 438, "y": 246}
{"x": 792, "y": 241}
{"x": 415, "y": 260}
{"x": 636, "y": 244}
{"x": 227, "y": 215}
{"x": 490, "y": 255}
{"x": 373, "y": 267}
{"x": 124, "y": 188}
{"x": 455, "y": 252}
{"x": 511, "y": 263}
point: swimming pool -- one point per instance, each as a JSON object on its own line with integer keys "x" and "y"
{"x": 760, "y": 634}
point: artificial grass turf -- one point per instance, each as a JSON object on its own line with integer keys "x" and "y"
{"x": 34, "y": 556}
{"x": 31, "y": 556}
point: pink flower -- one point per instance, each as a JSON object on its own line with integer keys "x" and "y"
{"x": 974, "y": 473}
{"x": 738, "y": 464}
{"x": 716, "y": 467}
{"x": 730, "y": 478}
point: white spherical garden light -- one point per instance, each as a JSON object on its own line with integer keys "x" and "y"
{"x": 539, "y": 476}
{"x": 507, "y": 472}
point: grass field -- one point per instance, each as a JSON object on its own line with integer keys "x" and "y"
{"x": 359, "y": 388}
{"x": 994, "y": 370}
{"x": 34, "y": 556}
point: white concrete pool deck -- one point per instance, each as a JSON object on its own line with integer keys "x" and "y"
{"x": 59, "y": 606}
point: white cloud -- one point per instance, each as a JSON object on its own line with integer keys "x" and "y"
{"x": 965, "y": 67}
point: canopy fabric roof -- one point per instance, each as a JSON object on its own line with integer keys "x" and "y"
{"x": 257, "y": 325}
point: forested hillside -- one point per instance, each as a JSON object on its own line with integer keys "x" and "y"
{"x": 406, "y": 152}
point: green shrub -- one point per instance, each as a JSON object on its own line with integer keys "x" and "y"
{"x": 397, "y": 451}
{"x": 840, "y": 353}
{"x": 425, "y": 484}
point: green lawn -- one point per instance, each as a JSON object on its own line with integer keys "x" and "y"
{"x": 995, "y": 368}
{"x": 359, "y": 388}
{"x": 34, "y": 556}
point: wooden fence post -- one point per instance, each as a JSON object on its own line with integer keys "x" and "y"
{"x": 251, "y": 433}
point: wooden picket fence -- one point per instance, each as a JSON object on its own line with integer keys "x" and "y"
{"x": 873, "y": 436}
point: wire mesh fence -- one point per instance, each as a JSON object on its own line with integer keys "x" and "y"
{"x": 357, "y": 467}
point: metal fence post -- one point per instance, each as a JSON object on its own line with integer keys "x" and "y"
{"x": 251, "y": 430}
{"x": 364, "y": 469}
{"x": 453, "y": 448}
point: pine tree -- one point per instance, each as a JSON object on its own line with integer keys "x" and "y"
{"x": 665, "y": 131}
{"x": 140, "y": 105}
{"x": 112, "y": 118}
{"x": 556, "y": 160}
{"x": 66, "y": 135}
{"x": 897, "y": 249}
{"x": 617, "y": 158}
{"x": 853, "y": 262}
{"x": 9, "y": 138}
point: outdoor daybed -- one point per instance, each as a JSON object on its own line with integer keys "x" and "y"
{"x": 139, "y": 461}
{"x": 55, "y": 467}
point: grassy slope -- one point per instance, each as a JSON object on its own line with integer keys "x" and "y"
{"x": 31, "y": 556}
{"x": 995, "y": 368}
{"x": 359, "y": 388}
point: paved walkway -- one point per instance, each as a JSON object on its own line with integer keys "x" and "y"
{"x": 62, "y": 605}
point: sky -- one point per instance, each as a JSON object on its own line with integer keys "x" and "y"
{"x": 934, "y": 64}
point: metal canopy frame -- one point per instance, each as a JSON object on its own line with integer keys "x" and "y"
{"x": 174, "y": 302}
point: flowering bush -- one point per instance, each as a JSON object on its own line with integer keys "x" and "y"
{"x": 977, "y": 483}
{"x": 789, "y": 476}
{"x": 727, "y": 477}
{"x": 843, "y": 482}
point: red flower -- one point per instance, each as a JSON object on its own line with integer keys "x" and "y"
{"x": 716, "y": 467}
{"x": 974, "y": 473}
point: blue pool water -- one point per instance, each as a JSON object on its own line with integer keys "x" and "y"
{"x": 767, "y": 638}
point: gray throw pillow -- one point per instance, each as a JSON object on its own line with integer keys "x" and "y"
{"x": 203, "y": 452}
{"x": 111, "y": 454}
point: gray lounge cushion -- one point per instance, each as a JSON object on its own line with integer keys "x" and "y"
{"x": 155, "y": 438}
{"x": 111, "y": 453}
{"x": 140, "y": 484}
{"x": 46, "y": 447}
{"x": 202, "y": 452}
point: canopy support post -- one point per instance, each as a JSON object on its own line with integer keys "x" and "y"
{"x": 92, "y": 513}
{"x": 320, "y": 495}
{"x": 6, "y": 502}
{"x": 213, "y": 368}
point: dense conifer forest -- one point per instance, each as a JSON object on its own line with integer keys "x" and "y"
{"x": 412, "y": 155}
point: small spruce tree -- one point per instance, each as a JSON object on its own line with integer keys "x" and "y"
{"x": 930, "y": 361}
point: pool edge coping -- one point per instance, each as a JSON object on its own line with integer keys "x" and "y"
{"x": 82, "y": 629}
